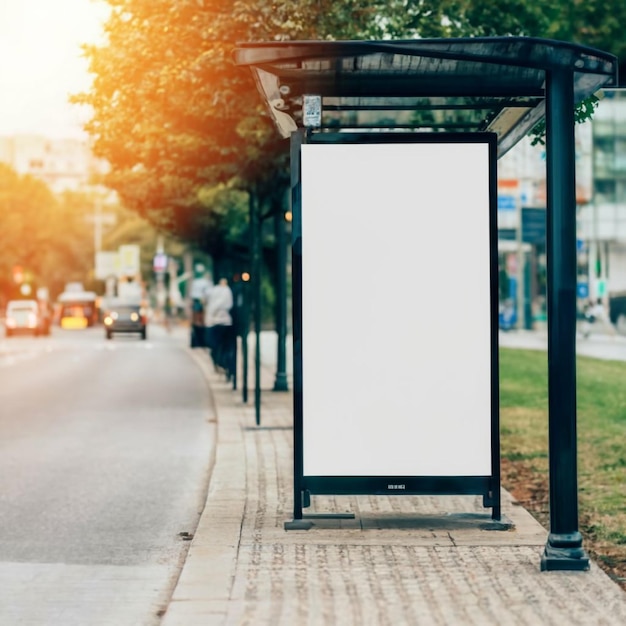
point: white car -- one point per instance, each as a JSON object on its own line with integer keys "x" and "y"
{"x": 26, "y": 317}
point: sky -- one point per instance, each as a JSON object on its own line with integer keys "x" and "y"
{"x": 41, "y": 64}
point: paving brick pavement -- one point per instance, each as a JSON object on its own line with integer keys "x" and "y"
{"x": 403, "y": 560}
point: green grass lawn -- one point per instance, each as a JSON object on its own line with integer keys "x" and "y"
{"x": 601, "y": 424}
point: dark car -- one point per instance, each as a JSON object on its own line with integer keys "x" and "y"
{"x": 125, "y": 318}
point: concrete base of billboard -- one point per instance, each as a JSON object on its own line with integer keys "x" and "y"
{"x": 307, "y": 522}
{"x": 445, "y": 522}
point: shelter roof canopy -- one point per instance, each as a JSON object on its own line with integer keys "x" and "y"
{"x": 493, "y": 84}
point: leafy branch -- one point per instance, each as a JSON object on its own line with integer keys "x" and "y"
{"x": 583, "y": 112}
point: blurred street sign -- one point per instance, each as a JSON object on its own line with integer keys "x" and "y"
{"x": 159, "y": 263}
{"x": 129, "y": 260}
{"x": 533, "y": 225}
{"x": 106, "y": 265}
{"x": 507, "y": 203}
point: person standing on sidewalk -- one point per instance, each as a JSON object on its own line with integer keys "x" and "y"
{"x": 219, "y": 325}
{"x": 200, "y": 287}
{"x": 595, "y": 313}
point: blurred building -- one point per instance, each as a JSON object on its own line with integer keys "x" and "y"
{"x": 600, "y": 207}
{"x": 63, "y": 164}
{"x": 602, "y": 222}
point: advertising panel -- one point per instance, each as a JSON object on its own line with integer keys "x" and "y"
{"x": 396, "y": 311}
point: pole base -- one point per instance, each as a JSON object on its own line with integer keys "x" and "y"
{"x": 564, "y": 552}
{"x": 298, "y": 524}
{"x": 306, "y": 524}
{"x": 280, "y": 382}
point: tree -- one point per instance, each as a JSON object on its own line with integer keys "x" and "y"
{"x": 173, "y": 115}
{"x": 167, "y": 108}
{"x": 46, "y": 236}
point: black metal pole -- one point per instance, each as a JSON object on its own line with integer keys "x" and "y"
{"x": 297, "y": 139}
{"x": 255, "y": 224}
{"x": 280, "y": 382}
{"x": 496, "y": 479}
{"x": 563, "y": 549}
{"x": 247, "y": 301}
{"x": 245, "y": 326}
{"x": 238, "y": 324}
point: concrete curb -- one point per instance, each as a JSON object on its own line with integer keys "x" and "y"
{"x": 203, "y": 590}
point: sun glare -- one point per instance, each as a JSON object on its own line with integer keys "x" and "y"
{"x": 42, "y": 63}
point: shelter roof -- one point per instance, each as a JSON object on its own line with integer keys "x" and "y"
{"x": 493, "y": 84}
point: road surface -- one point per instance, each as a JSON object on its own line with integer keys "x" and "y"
{"x": 105, "y": 453}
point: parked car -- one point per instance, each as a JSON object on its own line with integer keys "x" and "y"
{"x": 125, "y": 318}
{"x": 26, "y": 317}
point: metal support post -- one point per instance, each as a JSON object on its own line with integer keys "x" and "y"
{"x": 297, "y": 139}
{"x": 255, "y": 227}
{"x": 563, "y": 549}
{"x": 244, "y": 339}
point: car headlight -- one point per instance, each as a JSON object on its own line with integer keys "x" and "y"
{"x": 108, "y": 320}
{"x": 134, "y": 317}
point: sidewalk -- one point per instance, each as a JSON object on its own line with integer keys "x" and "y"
{"x": 403, "y": 560}
{"x": 599, "y": 344}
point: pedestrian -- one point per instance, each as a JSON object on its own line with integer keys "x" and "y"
{"x": 167, "y": 314}
{"x": 594, "y": 313}
{"x": 219, "y": 325}
{"x": 200, "y": 288}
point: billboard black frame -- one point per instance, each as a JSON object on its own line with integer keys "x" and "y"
{"x": 487, "y": 486}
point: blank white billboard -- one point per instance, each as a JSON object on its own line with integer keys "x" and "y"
{"x": 396, "y": 326}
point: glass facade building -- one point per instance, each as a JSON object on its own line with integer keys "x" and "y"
{"x": 601, "y": 215}
{"x": 602, "y": 222}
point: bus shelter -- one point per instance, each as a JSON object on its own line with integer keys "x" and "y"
{"x": 394, "y": 144}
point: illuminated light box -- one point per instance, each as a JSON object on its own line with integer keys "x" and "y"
{"x": 395, "y": 315}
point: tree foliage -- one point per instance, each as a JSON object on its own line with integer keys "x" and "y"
{"x": 167, "y": 106}
{"x": 176, "y": 118}
{"x": 173, "y": 115}
{"x": 52, "y": 238}
{"x": 45, "y": 235}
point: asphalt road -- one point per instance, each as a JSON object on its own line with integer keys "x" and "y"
{"x": 105, "y": 453}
